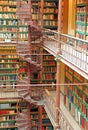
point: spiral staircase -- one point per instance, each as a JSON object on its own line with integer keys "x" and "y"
{"x": 25, "y": 50}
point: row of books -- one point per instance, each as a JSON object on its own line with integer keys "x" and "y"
{"x": 49, "y": 69}
{"x": 9, "y": 35}
{"x": 9, "y": 117}
{"x": 7, "y": 15}
{"x": 81, "y": 18}
{"x": 5, "y": 52}
{"x": 48, "y": 57}
{"x": 8, "y": 22}
{"x": 50, "y": 4}
{"x": 8, "y": 65}
{"x": 48, "y": 17}
{"x": 7, "y": 61}
{"x": 50, "y": 10}
{"x": 23, "y": 36}
{"x": 8, "y": 47}
{"x": 48, "y": 76}
{"x": 9, "y": 56}
{"x": 7, "y": 9}
{"x": 51, "y": 63}
{"x": 33, "y": 116}
{"x": 80, "y": 28}
{"x": 50, "y": 23}
{"x": 81, "y": 1}
{"x": 7, "y": 70}
{"x": 78, "y": 99}
{"x": 23, "y": 29}
{"x": 8, "y": 2}
{"x": 81, "y": 10}
{"x": 7, "y": 77}
{"x": 7, "y": 123}
{"x": 77, "y": 114}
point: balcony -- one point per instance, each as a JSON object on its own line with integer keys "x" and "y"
{"x": 8, "y": 93}
{"x": 66, "y": 121}
{"x": 73, "y": 51}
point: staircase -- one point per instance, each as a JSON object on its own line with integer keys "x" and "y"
{"x": 26, "y": 49}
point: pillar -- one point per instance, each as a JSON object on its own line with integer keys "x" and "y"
{"x": 28, "y": 112}
{"x": 58, "y": 65}
{"x": 40, "y": 117}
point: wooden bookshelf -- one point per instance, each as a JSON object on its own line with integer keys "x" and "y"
{"x": 50, "y": 14}
{"x": 8, "y": 64}
{"x": 49, "y": 68}
{"x": 8, "y": 113}
{"x": 76, "y": 97}
{"x": 82, "y": 19}
{"x": 8, "y": 21}
{"x": 46, "y": 124}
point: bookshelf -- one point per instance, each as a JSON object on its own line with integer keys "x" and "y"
{"x": 8, "y": 56}
{"x": 75, "y": 98}
{"x": 46, "y": 124}
{"x": 49, "y": 68}
{"x": 8, "y": 113}
{"x": 8, "y": 21}
{"x": 22, "y": 71}
{"x": 9, "y": 109}
{"x": 82, "y": 19}
{"x": 50, "y": 12}
{"x": 8, "y": 64}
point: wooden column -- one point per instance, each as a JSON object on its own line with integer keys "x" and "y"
{"x": 40, "y": 117}
{"x": 58, "y": 64}
{"x": 42, "y": 11}
{"x": 28, "y": 111}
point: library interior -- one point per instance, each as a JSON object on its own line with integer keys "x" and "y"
{"x": 43, "y": 64}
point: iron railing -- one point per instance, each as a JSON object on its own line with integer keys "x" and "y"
{"x": 73, "y": 50}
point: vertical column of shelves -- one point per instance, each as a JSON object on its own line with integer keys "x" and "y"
{"x": 8, "y": 65}
{"x": 82, "y": 19}
{"x": 8, "y": 113}
{"x": 36, "y": 15}
{"x": 76, "y": 97}
{"x": 22, "y": 29}
{"x": 50, "y": 13}
{"x": 23, "y": 32}
{"x": 49, "y": 68}
{"x": 46, "y": 124}
{"x": 22, "y": 71}
{"x": 8, "y": 21}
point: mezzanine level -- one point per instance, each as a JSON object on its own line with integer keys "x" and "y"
{"x": 73, "y": 51}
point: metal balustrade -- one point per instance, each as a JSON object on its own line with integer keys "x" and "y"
{"x": 8, "y": 93}
{"x": 63, "y": 114}
{"x": 50, "y": 108}
{"x": 73, "y": 50}
{"x": 64, "y": 124}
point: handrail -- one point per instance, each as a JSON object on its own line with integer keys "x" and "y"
{"x": 66, "y": 35}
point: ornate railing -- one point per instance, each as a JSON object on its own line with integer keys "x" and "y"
{"x": 63, "y": 122}
{"x": 49, "y": 103}
{"x": 73, "y": 50}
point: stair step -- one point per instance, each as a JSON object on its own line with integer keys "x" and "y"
{"x": 28, "y": 98}
{"x": 23, "y": 94}
{"x": 21, "y": 90}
